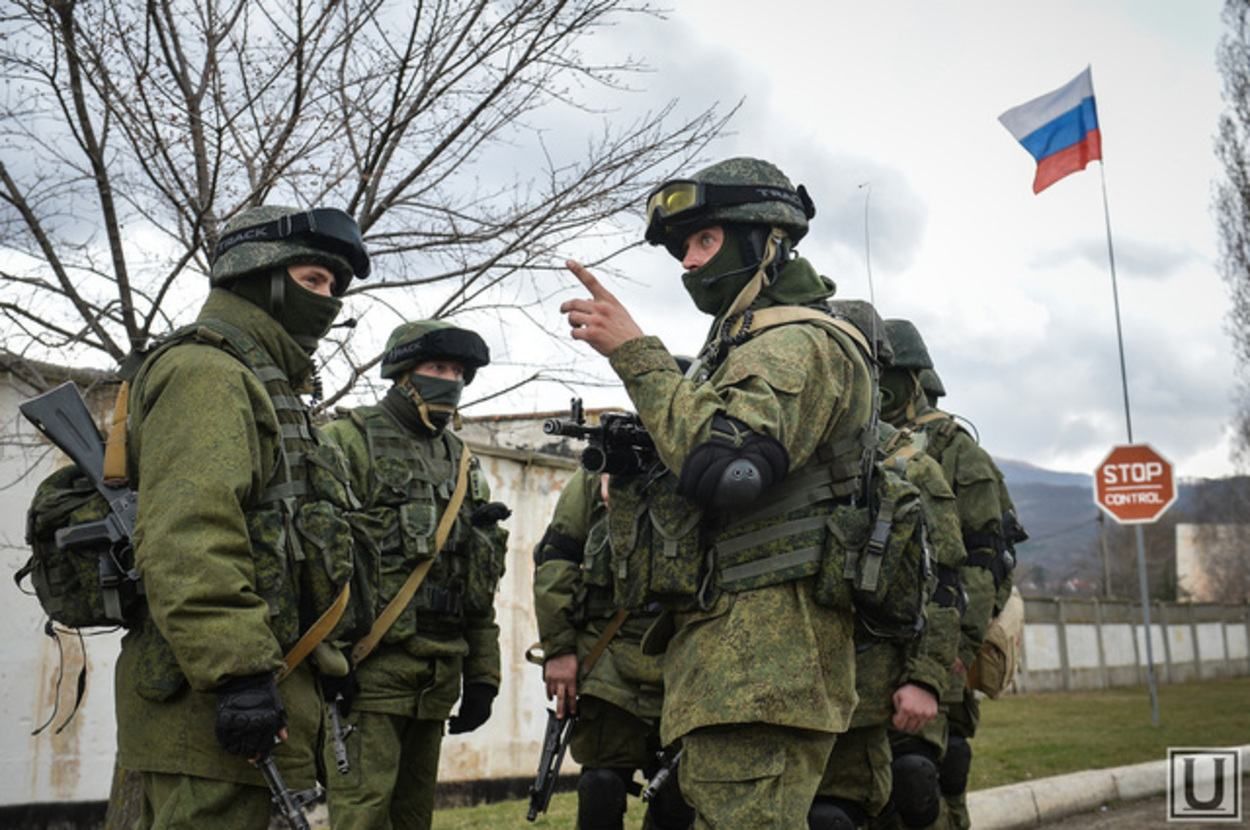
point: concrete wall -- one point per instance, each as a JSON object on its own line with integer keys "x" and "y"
{"x": 76, "y": 765}
{"x": 1092, "y": 644}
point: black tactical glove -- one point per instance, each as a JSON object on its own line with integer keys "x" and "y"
{"x": 347, "y": 686}
{"x": 487, "y": 514}
{"x": 475, "y": 706}
{"x": 249, "y": 714}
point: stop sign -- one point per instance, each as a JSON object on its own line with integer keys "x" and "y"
{"x": 1134, "y": 484}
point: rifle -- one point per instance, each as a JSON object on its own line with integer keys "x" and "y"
{"x": 339, "y": 733}
{"x": 555, "y": 744}
{"x": 290, "y": 805}
{"x": 62, "y": 415}
{"x": 620, "y": 444}
{"x": 668, "y": 766}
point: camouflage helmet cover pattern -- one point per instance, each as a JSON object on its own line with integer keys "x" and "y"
{"x": 412, "y": 343}
{"x": 741, "y": 170}
{"x": 862, "y": 315}
{"x": 910, "y": 351}
{"x": 261, "y": 257}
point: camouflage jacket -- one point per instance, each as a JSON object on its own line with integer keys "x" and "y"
{"x": 573, "y": 603}
{"x": 205, "y": 445}
{"x": 404, "y": 491}
{"x": 749, "y": 657}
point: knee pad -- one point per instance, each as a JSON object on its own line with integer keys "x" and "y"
{"x": 834, "y": 814}
{"x": 915, "y": 795}
{"x": 953, "y": 774}
{"x": 601, "y": 798}
{"x": 668, "y": 810}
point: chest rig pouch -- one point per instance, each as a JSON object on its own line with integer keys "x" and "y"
{"x": 656, "y": 550}
{"x": 889, "y": 566}
{"x": 411, "y": 481}
{"x": 596, "y": 599}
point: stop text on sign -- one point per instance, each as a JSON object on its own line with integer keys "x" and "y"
{"x": 1134, "y": 484}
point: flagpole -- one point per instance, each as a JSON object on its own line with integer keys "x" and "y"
{"x": 1143, "y": 583}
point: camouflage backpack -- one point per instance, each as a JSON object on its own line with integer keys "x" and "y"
{"x": 78, "y": 586}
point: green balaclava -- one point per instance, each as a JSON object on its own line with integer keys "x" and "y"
{"x": 424, "y": 400}
{"x": 898, "y": 390}
{"x": 714, "y": 286}
{"x": 306, "y": 315}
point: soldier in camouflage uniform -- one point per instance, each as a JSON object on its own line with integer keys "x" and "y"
{"x": 976, "y": 481}
{"x": 406, "y": 467}
{"x": 766, "y": 436}
{"x": 899, "y": 670}
{"x": 240, "y": 539}
{"x": 617, "y": 704}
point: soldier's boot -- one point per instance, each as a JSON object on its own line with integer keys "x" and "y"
{"x": 953, "y": 780}
{"x": 835, "y": 814}
{"x": 668, "y": 810}
{"x": 601, "y": 798}
{"x": 916, "y": 798}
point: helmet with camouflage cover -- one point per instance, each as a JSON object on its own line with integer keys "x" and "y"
{"x": 738, "y": 190}
{"x": 413, "y": 343}
{"x": 261, "y": 239}
{"x": 909, "y": 348}
{"x": 862, "y": 315}
{"x": 931, "y": 383}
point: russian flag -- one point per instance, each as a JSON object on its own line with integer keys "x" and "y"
{"x": 1059, "y": 129}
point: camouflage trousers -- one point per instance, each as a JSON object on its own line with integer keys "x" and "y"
{"x": 394, "y": 765}
{"x": 859, "y": 768}
{"x": 188, "y": 802}
{"x": 753, "y": 776}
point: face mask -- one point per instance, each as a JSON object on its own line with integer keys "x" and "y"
{"x": 436, "y": 399}
{"x": 714, "y": 286}
{"x": 305, "y": 315}
{"x": 897, "y": 388}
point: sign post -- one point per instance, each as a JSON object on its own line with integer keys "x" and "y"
{"x": 1135, "y": 485}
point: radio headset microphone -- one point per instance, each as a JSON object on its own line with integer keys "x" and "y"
{"x": 349, "y": 323}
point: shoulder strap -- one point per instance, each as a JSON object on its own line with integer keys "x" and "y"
{"x": 317, "y": 632}
{"x": 408, "y": 590}
{"x": 780, "y": 315}
{"x": 115, "y": 448}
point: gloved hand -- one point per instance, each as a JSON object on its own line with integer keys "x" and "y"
{"x": 347, "y": 686}
{"x": 487, "y": 514}
{"x": 249, "y": 714}
{"x": 475, "y": 706}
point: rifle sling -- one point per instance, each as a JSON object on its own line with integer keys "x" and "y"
{"x": 316, "y": 632}
{"x": 601, "y": 645}
{"x": 408, "y": 590}
{"x": 114, "y": 472}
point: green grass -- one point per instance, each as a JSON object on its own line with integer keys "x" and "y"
{"x": 1020, "y": 738}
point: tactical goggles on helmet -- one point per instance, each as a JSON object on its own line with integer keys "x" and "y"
{"x": 327, "y": 229}
{"x": 675, "y": 200}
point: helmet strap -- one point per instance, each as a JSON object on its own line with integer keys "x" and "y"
{"x": 733, "y": 324}
{"x": 277, "y": 292}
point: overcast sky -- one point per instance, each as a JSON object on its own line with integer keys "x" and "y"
{"x": 1011, "y": 290}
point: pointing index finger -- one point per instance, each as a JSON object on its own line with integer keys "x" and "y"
{"x": 596, "y": 289}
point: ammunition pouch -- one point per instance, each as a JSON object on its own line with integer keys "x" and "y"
{"x": 655, "y": 544}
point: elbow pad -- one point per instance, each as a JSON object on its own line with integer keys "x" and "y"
{"x": 734, "y": 467}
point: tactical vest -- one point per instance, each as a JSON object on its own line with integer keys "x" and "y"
{"x": 301, "y": 540}
{"x": 666, "y": 550}
{"x": 408, "y": 489}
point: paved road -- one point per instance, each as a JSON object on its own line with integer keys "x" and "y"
{"x": 1150, "y": 814}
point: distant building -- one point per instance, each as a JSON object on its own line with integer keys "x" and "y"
{"x": 1213, "y": 562}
